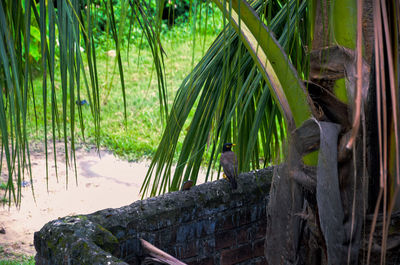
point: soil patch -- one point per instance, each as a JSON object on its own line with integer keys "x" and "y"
{"x": 103, "y": 181}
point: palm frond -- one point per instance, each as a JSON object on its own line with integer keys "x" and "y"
{"x": 283, "y": 79}
{"x": 230, "y": 101}
{"x": 386, "y": 51}
{"x": 66, "y": 37}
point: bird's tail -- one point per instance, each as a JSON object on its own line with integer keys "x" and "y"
{"x": 233, "y": 183}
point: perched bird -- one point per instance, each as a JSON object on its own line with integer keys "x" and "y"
{"x": 187, "y": 185}
{"x": 229, "y": 163}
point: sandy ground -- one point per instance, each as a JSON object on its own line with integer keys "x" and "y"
{"x": 103, "y": 182}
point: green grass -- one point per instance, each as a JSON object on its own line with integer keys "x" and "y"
{"x": 3, "y": 200}
{"x": 144, "y": 127}
{"x": 7, "y": 258}
{"x": 21, "y": 261}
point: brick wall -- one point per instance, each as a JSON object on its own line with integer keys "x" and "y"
{"x": 209, "y": 224}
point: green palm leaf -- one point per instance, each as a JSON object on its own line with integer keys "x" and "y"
{"x": 73, "y": 21}
{"x": 228, "y": 103}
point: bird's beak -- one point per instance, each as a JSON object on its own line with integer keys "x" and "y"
{"x": 233, "y": 144}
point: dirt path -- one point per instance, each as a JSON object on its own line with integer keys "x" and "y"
{"x": 103, "y": 181}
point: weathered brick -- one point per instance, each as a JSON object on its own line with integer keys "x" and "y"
{"x": 244, "y": 217}
{"x": 257, "y": 212}
{"x": 186, "y": 232}
{"x": 188, "y": 250}
{"x": 166, "y": 237}
{"x": 261, "y": 229}
{"x": 254, "y": 261}
{"x": 258, "y": 248}
{"x": 226, "y": 222}
{"x": 243, "y": 235}
{"x": 205, "y": 227}
{"x": 208, "y": 246}
{"x": 203, "y": 261}
{"x": 261, "y": 261}
{"x": 236, "y": 255}
{"x": 225, "y": 239}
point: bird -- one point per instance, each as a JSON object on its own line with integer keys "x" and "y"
{"x": 81, "y": 102}
{"x": 229, "y": 163}
{"x": 187, "y": 185}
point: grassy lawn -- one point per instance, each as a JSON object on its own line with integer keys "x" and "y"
{"x": 7, "y": 258}
{"x": 142, "y": 133}
{"x": 19, "y": 261}
{"x": 23, "y": 260}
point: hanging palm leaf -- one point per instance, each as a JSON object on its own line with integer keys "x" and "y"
{"x": 73, "y": 21}
{"x": 232, "y": 102}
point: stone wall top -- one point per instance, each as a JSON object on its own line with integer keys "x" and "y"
{"x": 169, "y": 221}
